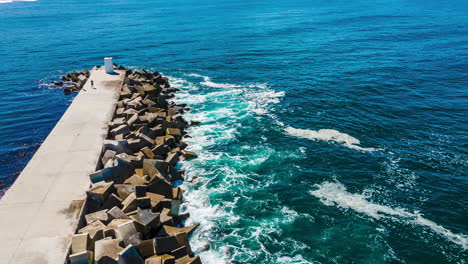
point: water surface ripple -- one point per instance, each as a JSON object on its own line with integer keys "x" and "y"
{"x": 332, "y": 131}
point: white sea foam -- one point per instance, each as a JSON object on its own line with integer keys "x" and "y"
{"x": 262, "y": 98}
{"x": 297, "y": 259}
{"x": 10, "y": 1}
{"x": 221, "y": 112}
{"x": 335, "y": 194}
{"x": 208, "y": 82}
{"x": 328, "y": 135}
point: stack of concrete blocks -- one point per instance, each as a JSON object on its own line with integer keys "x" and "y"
{"x": 73, "y": 81}
{"x": 132, "y": 208}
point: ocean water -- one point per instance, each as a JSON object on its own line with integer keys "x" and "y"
{"x": 332, "y": 131}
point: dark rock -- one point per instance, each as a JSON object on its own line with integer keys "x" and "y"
{"x": 130, "y": 256}
{"x": 144, "y": 202}
{"x": 112, "y": 201}
{"x": 172, "y": 158}
{"x": 117, "y": 173}
{"x": 194, "y": 123}
{"x": 162, "y": 187}
{"x": 140, "y": 190}
{"x": 146, "y": 248}
{"x": 165, "y": 244}
{"x": 206, "y": 247}
{"x": 59, "y": 84}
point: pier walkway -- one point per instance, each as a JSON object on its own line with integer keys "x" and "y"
{"x": 39, "y": 213}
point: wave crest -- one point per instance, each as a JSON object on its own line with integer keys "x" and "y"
{"x": 208, "y": 82}
{"x": 335, "y": 194}
{"x": 328, "y": 135}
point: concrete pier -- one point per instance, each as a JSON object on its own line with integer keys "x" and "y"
{"x": 39, "y": 213}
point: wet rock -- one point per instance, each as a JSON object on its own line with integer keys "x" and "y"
{"x": 69, "y": 88}
{"x": 74, "y": 77}
{"x": 206, "y": 247}
{"x": 59, "y": 84}
{"x": 189, "y": 154}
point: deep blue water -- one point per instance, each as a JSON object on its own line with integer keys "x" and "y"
{"x": 333, "y": 131}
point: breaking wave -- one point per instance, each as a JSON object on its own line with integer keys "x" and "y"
{"x": 331, "y": 135}
{"x": 208, "y": 82}
{"x": 221, "y": 113}
{"x": 335, "y": 194}
{"x": 10, "y": 1}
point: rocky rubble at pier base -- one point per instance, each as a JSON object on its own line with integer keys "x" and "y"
{"x": 131, "y": 214}
{"x": 73, "y": 81}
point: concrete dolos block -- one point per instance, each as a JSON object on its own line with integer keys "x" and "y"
{"x": 118, "y": 173}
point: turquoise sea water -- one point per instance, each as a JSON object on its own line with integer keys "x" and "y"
{"x": 332, "y": 131}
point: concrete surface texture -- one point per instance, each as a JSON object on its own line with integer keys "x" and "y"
{"x": 39, "y": 213}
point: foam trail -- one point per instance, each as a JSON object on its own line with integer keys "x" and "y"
{"x": 207, "y": 82}
{"x": 335, "y": 194}
{"x": 328, "y": 135}
{"x": 221, "y": 112}
{"x": 11, "y": 1}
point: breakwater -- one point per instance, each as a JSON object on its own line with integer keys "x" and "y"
{"x": 131, "y": 213}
